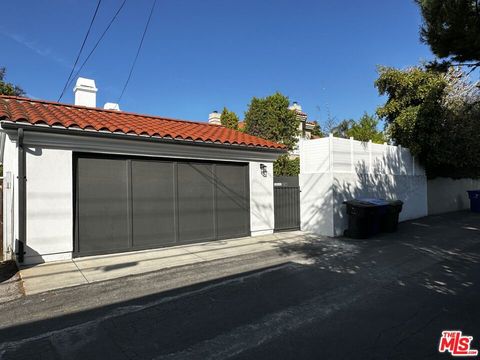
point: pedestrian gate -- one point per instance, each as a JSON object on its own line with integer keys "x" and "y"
{"x": 287, "y": 203}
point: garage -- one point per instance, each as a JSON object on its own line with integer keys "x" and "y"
{"x": 133, "y": 203}
{"x": 84, "y": 181}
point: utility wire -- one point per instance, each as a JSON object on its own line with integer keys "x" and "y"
{"x": 138, "y": 51}
{"x": 81, "y": 49}
{"x": 98, "y": 42}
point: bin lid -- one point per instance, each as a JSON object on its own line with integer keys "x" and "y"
{"x": 360, "y": 203}
{"x": 374, "y": 201}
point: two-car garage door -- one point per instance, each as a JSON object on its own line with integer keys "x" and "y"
{"x": 135, "y": 203}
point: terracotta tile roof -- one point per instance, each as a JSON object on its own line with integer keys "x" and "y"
{"x": 36, "y": 112}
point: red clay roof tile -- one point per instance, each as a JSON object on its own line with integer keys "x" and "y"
{"x": 16, "y": 109}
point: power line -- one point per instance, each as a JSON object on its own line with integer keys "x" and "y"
{"x": 81, "y": 49}
{"x": 138, "y": 51}
{"x": 98, "y": 42}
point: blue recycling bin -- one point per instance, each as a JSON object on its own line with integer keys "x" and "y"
{"x": 474, "y": 196}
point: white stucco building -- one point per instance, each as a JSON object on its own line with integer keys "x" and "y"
{"x": 80, "y": 180}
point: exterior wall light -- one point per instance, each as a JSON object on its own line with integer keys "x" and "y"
{"x": 263, "y": 169}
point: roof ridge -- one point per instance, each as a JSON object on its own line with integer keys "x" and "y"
{"x": 21, "y": 98}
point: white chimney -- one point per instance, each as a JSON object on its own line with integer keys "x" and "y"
{"x": 111, "y": 106}
{"x": 296, "y": 107}
{"x": 85, "y": 92}
{"x": 214, "y": 118}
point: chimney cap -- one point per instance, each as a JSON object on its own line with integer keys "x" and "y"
{"x": 85, "y": 92}
{"x": 85, "y": 84}
{"x": 111, "y": 106}
{"x": 214, "y": 118}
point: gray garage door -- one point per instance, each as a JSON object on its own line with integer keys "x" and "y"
{"x": 126, "y": 204}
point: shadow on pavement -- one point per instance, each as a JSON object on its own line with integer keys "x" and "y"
{"x": 386, "y": 297}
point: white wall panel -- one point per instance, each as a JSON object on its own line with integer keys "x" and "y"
{"x": 341, "y": 155}
{"x": 361, "y": 157}
{"x": 315, "y": 156}
{"x": 49, "y": 203}
{"x": 316, "y": 203}
{"x": 261, "y": 199}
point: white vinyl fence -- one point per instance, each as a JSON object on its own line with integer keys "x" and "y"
{"x": 338, "y": 155}
{"x": 333, "y": 170}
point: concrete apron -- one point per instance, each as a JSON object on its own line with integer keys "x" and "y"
{"x": 60, "y": 274}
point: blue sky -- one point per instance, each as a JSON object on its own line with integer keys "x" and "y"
{"x": 199, "y": 56}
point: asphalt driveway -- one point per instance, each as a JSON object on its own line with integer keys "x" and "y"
{"x": 384, "y": 298}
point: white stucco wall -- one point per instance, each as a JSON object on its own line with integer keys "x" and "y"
{"x": 49, "y": 205}
{"x": 316, "y": 203}
{"x": 446, "y": 195}
{"x": 261, "y": 199}
{"x": 333, "y": 170}
{"x": 322, "y": 196}
{"x": 412, "y": 190}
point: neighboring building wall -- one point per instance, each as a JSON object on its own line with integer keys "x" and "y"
{"x": 261, "y": 199}
{"x": 49, "y": 205}
{"x": 333, "y": 170}
{"x": 446, "y": 195}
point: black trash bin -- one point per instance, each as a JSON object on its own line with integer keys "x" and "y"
{"x": 380, "y": 211}
{"x": 364, "y": 217}
{"x": 389, "y": 222}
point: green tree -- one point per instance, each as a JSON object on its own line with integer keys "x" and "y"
{"x": 270, "y": 118}
{"x": 330, "y": 123}
{"x": 8, "y": 88}
{"x": 452, "y": 29}
{"x": 342, "y": 128}
{"x": 317, "y": 130}
{"x": 413, "y": 110}
{"x": 285, "y": 166}
{"x": 421, "y": 115}
{"x": 229, "y": 119}
{"x": 365, "y": 129}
